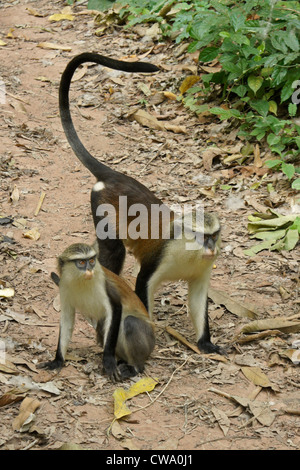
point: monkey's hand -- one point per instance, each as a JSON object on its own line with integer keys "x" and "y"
{"x": 51, "y": 365}
{"x": 111, "y": 368}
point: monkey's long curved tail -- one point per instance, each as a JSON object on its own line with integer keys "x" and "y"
{"x": 97, "y": 168}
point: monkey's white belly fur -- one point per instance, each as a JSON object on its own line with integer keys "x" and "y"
{"x": 89, "y": 298}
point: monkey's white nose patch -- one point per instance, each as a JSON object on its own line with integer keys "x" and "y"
{"x": 99, "y": 186}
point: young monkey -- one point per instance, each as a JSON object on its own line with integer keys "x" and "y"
{"x": 160, "y": 258}
{"x": 120, "y": 318}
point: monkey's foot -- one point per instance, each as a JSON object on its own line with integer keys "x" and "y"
{"x": 208, "y": 347}
{"x": 50, "y": 365}
{"x": 126, "y": 371}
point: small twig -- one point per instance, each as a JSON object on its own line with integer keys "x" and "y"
{"x": 30, "y": 445}
{"x": 182, "y": 339}
{"x": 5, "y": 327}
{"x": 162, "y": 391}
{"x": 137, "y": 139}
{"x": 16, "y": 97}
{"x": 230, "y": 438}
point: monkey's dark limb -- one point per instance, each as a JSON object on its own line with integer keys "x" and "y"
{"x": 204, "y": 343}
{"x": 126, "y": 371}
{"x": 144, "y": 275}
{"x": 51, "y": 365}
{"x": 109, "y": 361}
{"x": 112, "y": 254}
{"x": 58, "y": 362}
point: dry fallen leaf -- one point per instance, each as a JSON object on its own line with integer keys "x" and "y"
{"x": 292, "y": 354}
{"x": 79, "y": 74}
{"x": 129, "y": 444}
{"x": 257, "y": 376}
{"x": 19, "y": 107}
{"x": 10, "y": 397}
{"x": 117, "y": 431}
{"x": 15, "y": 194}
{"x": 278, "y": 323}
{"x": 257, "y": 159}
{"x": 221, "y": 298}
{"x": 175, "y": 128}
{"x": 8, "y": 367}
{"x": 262, "y": 413}
{"x": 25, "y": 416}
{"x": 208, "y": 155}
{"x": 222, "y": 419}
{"x": 51, "y": 45}
{"x": 260, "y": 410}
{"x": 70, "y": 446}
{"x": 146, "y": 119}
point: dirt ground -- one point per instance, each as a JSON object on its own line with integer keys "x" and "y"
{"x": 200, "y": 401}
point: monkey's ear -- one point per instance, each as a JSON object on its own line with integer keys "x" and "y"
{"x": 55, "y": 278}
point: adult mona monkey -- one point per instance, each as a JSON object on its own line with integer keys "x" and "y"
{"x": 118, "y": 315}
{"x": 163, "y": 256}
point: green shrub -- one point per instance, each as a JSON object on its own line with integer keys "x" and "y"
{"x": 257, "y": 45}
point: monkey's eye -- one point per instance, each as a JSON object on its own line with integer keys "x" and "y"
{"x": 92, "y": 261}
{"x": 216, "y": 236}
{"x": 80, "y": 263}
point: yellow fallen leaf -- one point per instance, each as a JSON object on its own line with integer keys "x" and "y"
{"x": 34, "y": 12}
{"x": 32, "y": 234}
{"x": 10, "y": 33}
{"x": 61, "y": 17}
{"x": 188, "y": 82}
{"x": 146, "y": 384}
{"x": 52, "y": 45}
{"x": 43, "y": 79}
{"x": 120, "y": 407}
{"x": 170, "y": 95}
{"x": 2, "y": 43}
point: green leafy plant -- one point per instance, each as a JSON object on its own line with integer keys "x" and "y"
{"x": 277, "y": 232}
{"x": 256, "y": 43}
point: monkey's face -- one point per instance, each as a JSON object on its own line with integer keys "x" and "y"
{"x": 86, "y": 267}
{"x": 211, "y": 245}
